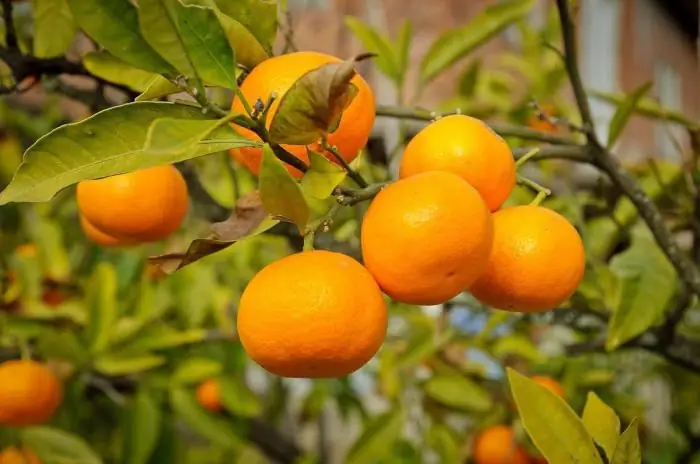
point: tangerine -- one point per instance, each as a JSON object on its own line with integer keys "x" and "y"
{"x": 427, "y": 237}
{"x": 145, "y": 205}
{"x": 314, "y": 314}
{"x": 209, "y": 395}
{"x": 14, "y": 455}
{"x": 30, "y": 393}
{"x": 277, "y": 75}
{"x": 551, "y": 384}
{"x": 497, "y": 445}
{"x": 99, "y": 237}
{"x": 467, "y": 147}
{"x": 536, "y": 263}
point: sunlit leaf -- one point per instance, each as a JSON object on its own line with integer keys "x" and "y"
{"x": 54, "y": 28}
{"x": 114, "y": 364}
{"x": 516, "y": 345}
{"x": 647, "y": 107}
{"x": 444, "y": 442}
{"x": 602, "y": 423}
{"x": 457, "y": 43}
{"x": 314, "y": 104}
{"x": 257, "y": 16}
{"x": 322, "y": 177}
{"x": 53, "y": 445}
{"x": 389, "y": 375}
{"x": 377, "y": 438}
{"x": 647, "y": 283}
{"x": 172, "y": 136}
{"x": 238, "y": 398}
{"x": 107, "y": 66}
{"x": 195, "y": 370}
{"x": 403, "y": 47}
{"x": 624, "y": 112}
{"x": 280, "y": 194}
{"x": 63, "y": 345}
{"x": 628, "y": 449}
{"x": 102, "y": 304}
{"x": 458, "y": 392}
{"x": 114, "y": 25}
{"x": 374, "y": 41}
{"x": 156, "y": 89}
{"x": 142, "y": 428}
{"x": 552, "y": 425}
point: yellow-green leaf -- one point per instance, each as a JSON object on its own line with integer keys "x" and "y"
{"x": 156, "y": 89}
{"x": 444, "y": 442}
{"x": 107, "y": 66}
{"x": 259, "y": 17}
{"x": 628, "y": 449}
{"x": 552, "y": 425}
{"x": 54, "y": 28}
{"x": 377, "y": 439}
{"x": 102, "y": 303}
{"x": 114, "y": 364}
{"x": 624, "y": 112}
{"x": 322, "y": 177}
{"x": 238, "y": 398}
{"x": 195, "y": 370}
{"x": 53, "y": 445}
{"x": 142, "y": 428}
{"x": 458, "y": 392}
{"x": 374, "y": 41}
{"x": 602, "y": 423}
{"x": 280, "y": 194}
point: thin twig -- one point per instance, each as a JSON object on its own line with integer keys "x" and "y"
{"x": 349, "y": 197}
{"x": 354, "y": 175}
{"x": 10, "y": 31}
{"x": 573, "y": 153}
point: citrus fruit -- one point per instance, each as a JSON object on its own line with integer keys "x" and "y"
{"x": 314, "y": 314}
{"x": 536, "y": 262}
{"x": 467, "y": 147}
{"x": 14, "y": 455}
{"x": 99, "y": 237}
{"x": 540, "y": 124}
{"x": 497, "y": 445}
{"x": 426, "y": 238}
{"x": 29, "y": 393}
{"x": 145, "y": 205}
{"x": 551, "y": 384}
{"x": 277, "y": 75}
{"x": 209, "y": 396}
{"x": 27, "y": 250}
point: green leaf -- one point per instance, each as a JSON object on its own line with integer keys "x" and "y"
{"x": 387, "y": 60}
{"x": 248, "y": 219}
{"x": 213, "y": 428}
{"x": 114, "y": 364}
{"x": 114, "y": 25}
{"x": 314, "y": 104}
{"x": 142, "y": 429}
{"x": 190, "y": 38}
{"x": 62, "y": 344}
{"x": 102, "y": 303}
{"x": 443, "y": 441}
{"x": 280, "y": 194}
{"x": 54, "y": 28}
{"x": 470, "y": 78}
{"x": 196, "y": 370}
{"x": 628, "y": 449}
{"x": 602, "y": 423}
{"x": 516, "y": 345}
{"x": 457, "y": 43}
{"x": 237, "y": 398}
{"x": 624, "y": 112}
{"x": 647, "y": 283}
{"x": 55, "y": 446}
{"x": 110, "y": 142}
{"x": 377, "y": 439}
{"x": 458, "y": 392}
{"x": 107, "y": 66}
{"x": 314, "y": 401}
{"x": 258, "y": 17}
{"x": 552, "y": 425}
{"x": 422, "y": 346}
{"x": 156, "y": 89}
{"x": 322, "y": 177}
{"x": 168, "y": 136}
{"x": 647, "y": 107}
{"x": 159, "y": 337}
{"x": 389, "y": 376}
{"x": 403, "y": 47}
{"x": 249, "y": 52}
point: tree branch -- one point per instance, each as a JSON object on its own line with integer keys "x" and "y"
{"x": 573, "y": 153}
{"x": 10, "y": 32}
{"x": 504, "y": 130}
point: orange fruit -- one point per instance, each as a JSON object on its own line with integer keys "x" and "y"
{"x": 29, "y": 393}
{"x": 467, "y": 147}
{"x": 551, "y": 384}
{"x": 278, "y": 74}
{"x": 99, "y": 237}
{"x": 536, "y": 263}
{"x": 14, "y": 455}
{"x": 543, "y": 125}
{"x": 497, "y": 445}
{"x": 145, "y": 205}
{"x": 426, "y": 238}
{"x": 314, "y": 314}
{"x": 27, "y": 250}
{"x": 209, "y": 396}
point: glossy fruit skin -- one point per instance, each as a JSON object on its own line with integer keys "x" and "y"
{"x": 314, "y": 314}
{"x": 97, "y": 236}
{"x": 30, "y": 393}
{"x": 536, "y": 264}
{"x": 426, "y": 238}
{"x": 467, "y": 147}
{"x": 277, "y": 74}
{"x": 497, "y": 445}
{"x": 551, "y": 384}
{"x": 146, "y": 205}
{"x": 14, "y": 455}
{"x": 209, "y": 395}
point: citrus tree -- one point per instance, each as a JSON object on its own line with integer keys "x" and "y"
{"x": 212, "y": 267}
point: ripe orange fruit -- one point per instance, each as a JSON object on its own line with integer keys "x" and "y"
{"x": 543, "y": 125}
{"x": 427, "y": 237}
{"x": 145, "y": 205}
{"x": 27, "y": 250}
{"x": 551, "y": 384}
{"x": 277, "y": 74}
{"x": 467, "y": 147}
{"x": 536, "y": 263}
{"x": 101, "y": 238}
{"x": 29, "y": 393}
{"x": 497, "y": 445}
{"x": 315, "y": 314}
{"x": 14, "y": 455}
{"x": 209, "y": 396}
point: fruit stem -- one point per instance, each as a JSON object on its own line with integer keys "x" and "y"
{"x": 523, "y": 159}
{"x": 24, "y": 351}
{"x": 350, "y": 197}
{"x": 542, "y": 196}
{"x": 354, "y": 175}
{"x": 309, "y": 240}
{"x": 542, "y": 192}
